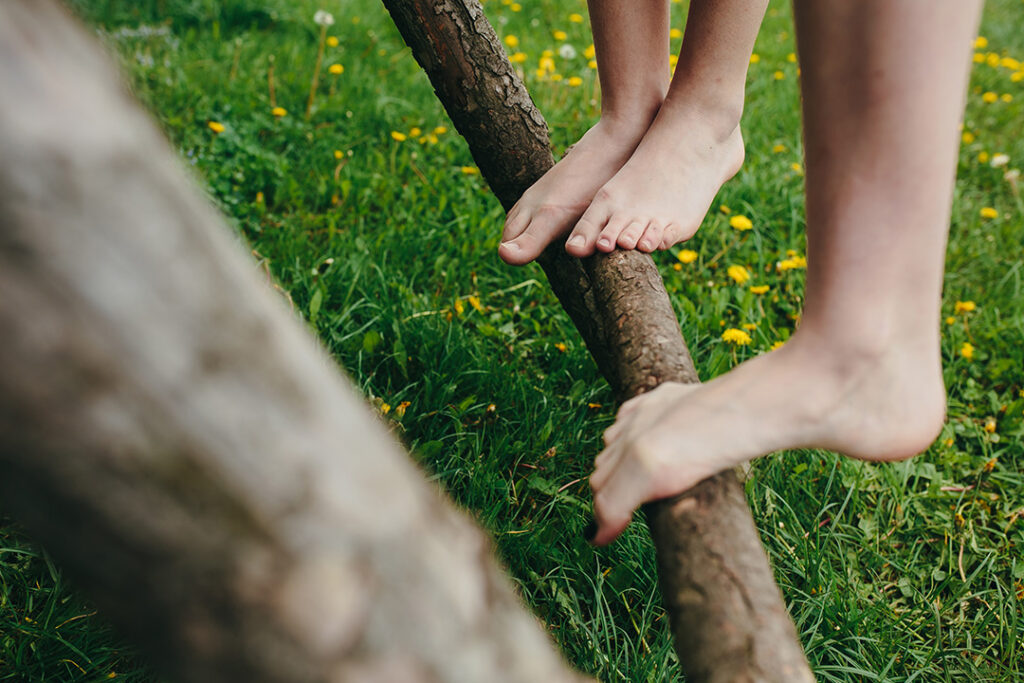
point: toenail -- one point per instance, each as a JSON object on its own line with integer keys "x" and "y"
{"x": 645, "y": 244}
{"x": 577, "y": 241}
{"x": 511, "y": 245}
{"x": 604, "y": 242}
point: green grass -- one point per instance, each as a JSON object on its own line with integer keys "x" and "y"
{"x": 904, "y": 572}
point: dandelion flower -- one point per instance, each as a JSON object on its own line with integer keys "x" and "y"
{"x": 332, "y": 41}
{"x": 279, "y": 112}
{"x": 512, "y": 41}
{"x": 989, "y": 97}
{"x": 400, "y": 409}
{"x": 740, "y": 222}
{"x": 982, "y": 157}
{"x": 792, "y": 263}
{"x": 517, "y": 57}
{"x": 950, "y": 320}
{"x": 980, "y": 43}
{"x": 474, "y": 301}
{"x": 686, "y": 256}
{"x": 575, "y": 81}
{"x": 964, "y": 306}
{"x": 440, "y": 130}
{"x": 1006, "y": 97}
{"x": 759, "y": 289}
{"x": 560, "y": 346}
{"x": 779, "y": 149}
{"x": 336, "y": 69}
{"x": 592, "y": 64}
{"x": 589, "y": 51}
{"x": 1009, "y": 63}
{"x": 675, "y": 33}
{"x": 755, "y": 58}
{"x": 736, "y": 336}
{"x": 470, "y": 170}
{"x": 576, "y": 18}
{"x": 725, "y": 209}
{"x": 216, "y": 127}
{"x": 559, "y": 35}
{"x": 967, "y": 350}
{"x": 967, "y": 137}
{"x": 739, "y": 274}
{"x": 779, "y": 75}
{"x": 415, "y": 132}
{"x": 398, "y": 137}
{"x": 567, "y": 51}
{"x": 776, "y": 345}
{"x": 750, "y": 327}
{"x": 990, "y": 426}
{"x": 988, "y": 212}
{"x": 338, "y": 154}
{"x": 516, "y": 7}
{"x": 459, "y": 307}
{"x": 791, "y": 58}
{"x": 797, "y": 168}
{"x": 1017, "y": 76}
{"x": 323, "y": 18}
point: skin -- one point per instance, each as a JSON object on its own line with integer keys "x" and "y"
{"x": 619, "y": 186}
{"x": 883, "y": 86}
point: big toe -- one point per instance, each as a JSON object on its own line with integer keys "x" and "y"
{"x": 531, "y": 242}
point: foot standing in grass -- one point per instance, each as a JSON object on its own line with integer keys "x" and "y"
{"x": 644, "y": 176}
{"x": 883, "y": 92}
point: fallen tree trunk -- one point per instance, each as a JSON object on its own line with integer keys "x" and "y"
{"x": 728, "y": 617}
{"x": 178, "y": 441}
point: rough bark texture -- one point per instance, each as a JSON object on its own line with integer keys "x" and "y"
{"x": 177, "y": 439}
{"x": 728, "y": 617}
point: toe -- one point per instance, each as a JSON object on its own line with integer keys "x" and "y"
{"x": 651, "y": 239}
{"x": 610, "y": 234}
{"x": 581, "y": 241}
{"x": 631, "y": 234}
{"x": 544, "y": 226}
{"x": 673, "y": 234}
{"x": 515, "y": 223}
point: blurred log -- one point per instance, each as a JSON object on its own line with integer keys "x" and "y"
{"x": 728, "y": 617}
{"x": 177, "y": 439}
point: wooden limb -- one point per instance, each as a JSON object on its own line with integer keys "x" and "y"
{"x": 177, "y": 439}
{"x": 728, "y": 616}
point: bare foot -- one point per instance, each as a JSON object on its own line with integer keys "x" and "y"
{"x": 554, "y": 203}
{"x": 660, "y": 196}
{"x": 886, "y": 403}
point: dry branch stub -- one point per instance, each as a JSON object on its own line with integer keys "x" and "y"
{"x": 728, "y": 616}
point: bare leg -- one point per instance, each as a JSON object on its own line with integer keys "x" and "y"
{"x": 631, "y": 42}
{"x": 660, "y": 196}
{"x": 883, "y": 84}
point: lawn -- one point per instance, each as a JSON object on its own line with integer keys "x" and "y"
{"x": 380, "y": 233}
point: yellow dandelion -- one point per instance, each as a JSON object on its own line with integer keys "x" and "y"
{"x": 546, "y": 65}
{"x": 980, "y": 43}
{"x": 560, "y": 346}
{"x": 1009, "y": 63}
{"x": 739, "y": 274}
{"x": 778, "y": 344}
{"x": 216, "y": 127}
{"x": 512, "y": 41}
{"x": 677, "y": 266}
{"x": 338, "y": 154}
{"x": 385, "y": 408}
{"x": 336, "y": 69}
{"x": 589, "y": 52}
{"x": 725, "y": 209}
{"x": 967, "y": 350}
{"x": 459, "y": 307}
{"x": 982, "y": 157}
{"x": 1017, "y": 76}
{"x": 778, "y": 149}
{"x": 470, "y": 170}
{"x": 978, "y": 58}
{"x": 259, "y": 198}
{"x": 440, "y": 130}
{"x": 415, "y": 132}
{"x": 279, "y": 112}
{"x": 332, "y": 41}
{"x": 967, "y": 137}
{"x": 1006, "y": 97}
{"x": 988, "y": 212}
{"x": 401, "y": 408}
{"x": 990, "y": 425}
{"x": 559, "y": 35}
{"x": 516, "y": 7}
{"x": 950, "y": 320}
{"x": 791, "y": 58}
{"x": 779, "y": 75}
{"x": 686, "y": 256}
{"x": 675, "y": 33}
{"x": 759, "y": 289}
{"x": 964, "y": 306}
{"x": 736, "y": 336}
{"x": 792, "y": 263}
{"x": 517, "y": 57}
{"x": 474, "y": 301}
{"x": 740, "y": 222}
{"x": 592, "y": 64}
{"x": 797, "y": 168}
{"x": 755, "y": 58}
{"x": 750, "y": 327}
{"x": 576, "y": 18}
{"x": 556, "y": 77}
{"x": 432, "y": 139}
{"x": 989, "y": 97}
{"x": 992, "y": 59}
{"x": 575, "y": 81}
{"x": 399, "y": 137}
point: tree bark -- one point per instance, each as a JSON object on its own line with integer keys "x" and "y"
{"x": 728, "y": 616}
{"x": 178, "y": 440}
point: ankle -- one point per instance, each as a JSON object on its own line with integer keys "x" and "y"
{"x": 720, "y": 114}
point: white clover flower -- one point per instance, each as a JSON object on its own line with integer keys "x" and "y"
{"x": 323, "y": 18}
{"x": 999, "y": 160}
{"x": 567, "y": 51}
